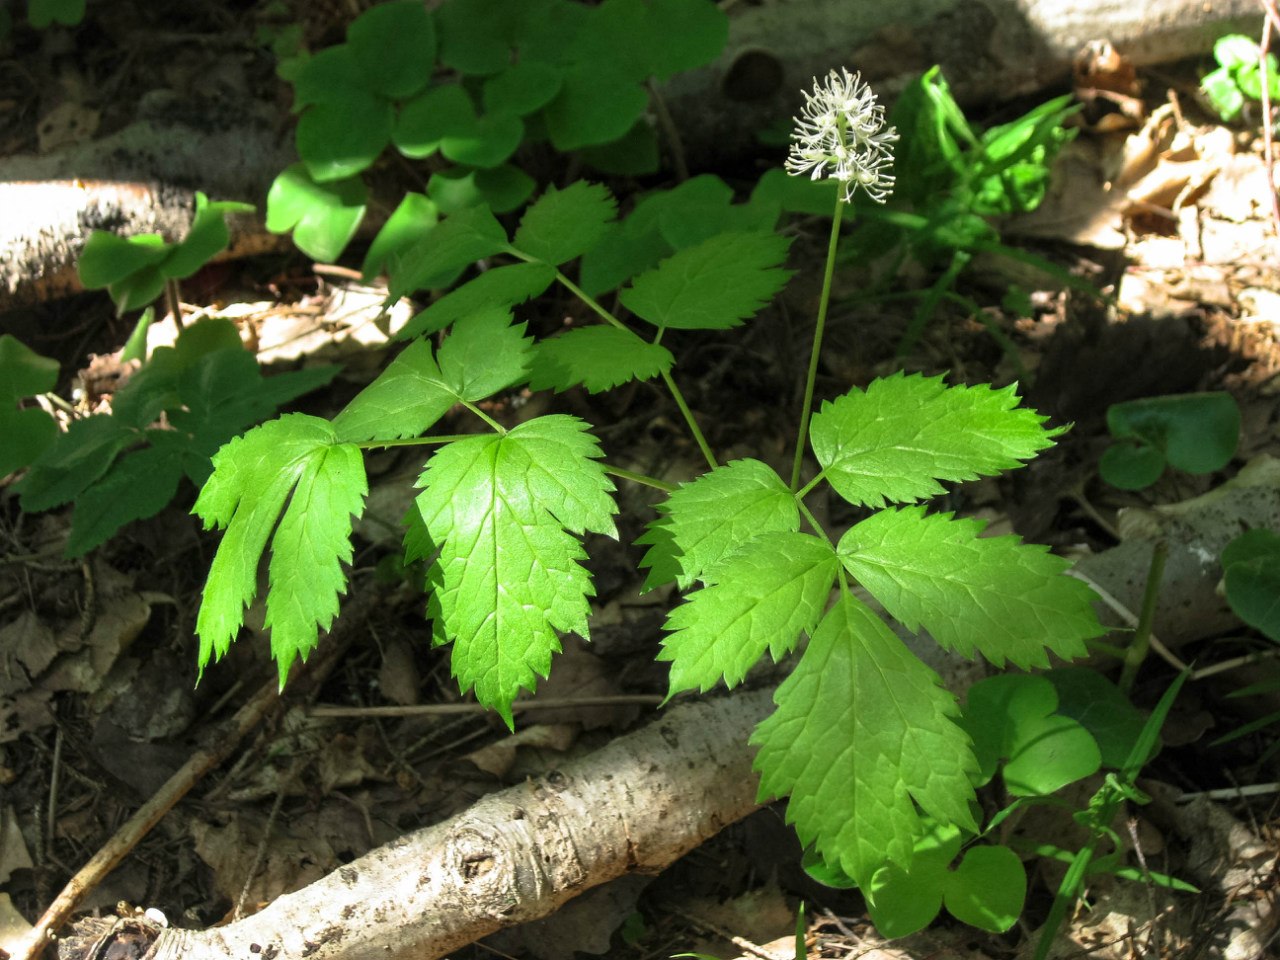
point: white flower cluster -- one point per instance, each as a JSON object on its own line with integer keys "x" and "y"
{"x": 841, "y": 133}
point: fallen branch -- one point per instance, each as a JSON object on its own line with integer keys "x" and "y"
{"x": 518, "y": 855}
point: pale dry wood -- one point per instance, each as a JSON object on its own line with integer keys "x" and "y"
{"x": 518, "y": 855}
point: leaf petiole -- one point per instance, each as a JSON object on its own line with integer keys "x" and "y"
{"x": 639, "y": 478}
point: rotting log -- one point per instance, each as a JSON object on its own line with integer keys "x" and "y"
{"x": 144, "y": 177}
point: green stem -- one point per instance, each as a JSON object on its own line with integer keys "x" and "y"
{"x": 591, "y": 302}
{"x": 819, "y": 330}
{"x": 929, "y": 305}
{"x": 411, "y": 441}
{"x": 688, "y": 418}
{"x": 639, "y": 478}
{"x": 1141, "y": 641}
{"x": 813, "y": 522}
{"x": 173, "y": 301}
{"x": 485, "y": 417}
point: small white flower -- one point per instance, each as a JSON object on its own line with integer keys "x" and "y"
{"x": 840, "y": 133}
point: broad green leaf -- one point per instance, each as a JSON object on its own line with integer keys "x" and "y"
{"x": 207, "y": 237}
{"x": 325, "y": 76}
{"x": 322, "y": 216}
{"x": 1198, "y": 432}
{"x": 409, "y": 223}
{"x": 483, "y": 354}
{"x": 904, "y": 899}
{"x": 599, "y": 358}
{"x": 898, "y": 438}
{"x": 1014, "y": 718}
{"x": 139, "y": 485}
{"x": 509, "y": 577}
{"x": 624, "y": 250}
{"x": 713, "y": 286}
{"x": 1008, "y": 600}
{"x": 494, "y": 139}
{"x": 423, "y": 123}
{"x": 760, "y": 597}
{"x": 596, "y": 103}
{"x": 27, "y": 433}
{"x": 1251, "y": 563}
{"x": 108, "y": 258}
{"x": 297, "y": 460}
{"x": 338, "y": 139}
{"x": 988, "y": 889}
{"x": 74, "y": 461}
{"x": 688, "y": 34}
{"x": 23, "y": 372}
{"x": 499, "y": 287}
{"x": 706, "y": 520}
{"x": 137, "y": 290}
{"x": 457, "y": 241}
{"x": 522, "y": 88}
{"x": 563, "y": 224}
{"x": 863, "y": 741}
{"x": 1097, "y": 704}
{"x": 504, "y": 188}
{"x": 393, "y": 46}
{"x": 1131, "y": 466}
{"x": 476, "y": 36}
{"x": 634, "y": 154}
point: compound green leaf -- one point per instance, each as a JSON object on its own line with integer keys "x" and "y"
{"x": 564, "y": 224}
{"x": 483, "y": 354}
{"x": 761, "y": 597}
{"x": 139, "y": 485}
{"x": 425, "y": 121}
{"x": 457, "y": 241}
{"x": 712, "y": 286}
{"x": 1008, "y": 600}
{"x": 522, "y": 88}
{"x": 902, "y": 900}
{"x": 489, "y": 145}
{"x": 597, "y": 103}
{"x": 863, "y": 741}
{"x": 503, "y": 188}
{"x": 509, "y": 577}
{"x": 338, "y": 139}
{"x": 393, "y": 46}
{"x": 598, "y": 358}
{"x": 1251, "y": 563}
{"x": 501, "y": 287}
{"x": 322, "y": 216}
{"x": 896, "y": 439}
{"x": 704, "y": 521}
{"x": 73, "y": 461}
{"x": 297, "y": 460}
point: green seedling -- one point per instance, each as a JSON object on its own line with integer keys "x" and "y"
{"x": 1039, "y": 733}
{"x": 468, "y": 83}
{"x": 27, "y": 431}
{"x": 1239, "y": 76}
{"x": 135, "y": 270}
{"x": 864, "y": 740}
{"x": 954, "y": 179}
{"x": 1193, "y": 432}
{"x": 123, "y": 466}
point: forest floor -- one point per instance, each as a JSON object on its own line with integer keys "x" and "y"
{"x": 99, "y": 701}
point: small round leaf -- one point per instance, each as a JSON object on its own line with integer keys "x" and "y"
{"x": 988, "y": 889}
{"x": 394, "y": 47}
{"x": 1131, "y": 466}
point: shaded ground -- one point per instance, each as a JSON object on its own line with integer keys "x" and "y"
{"x": 98, "y": 700}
